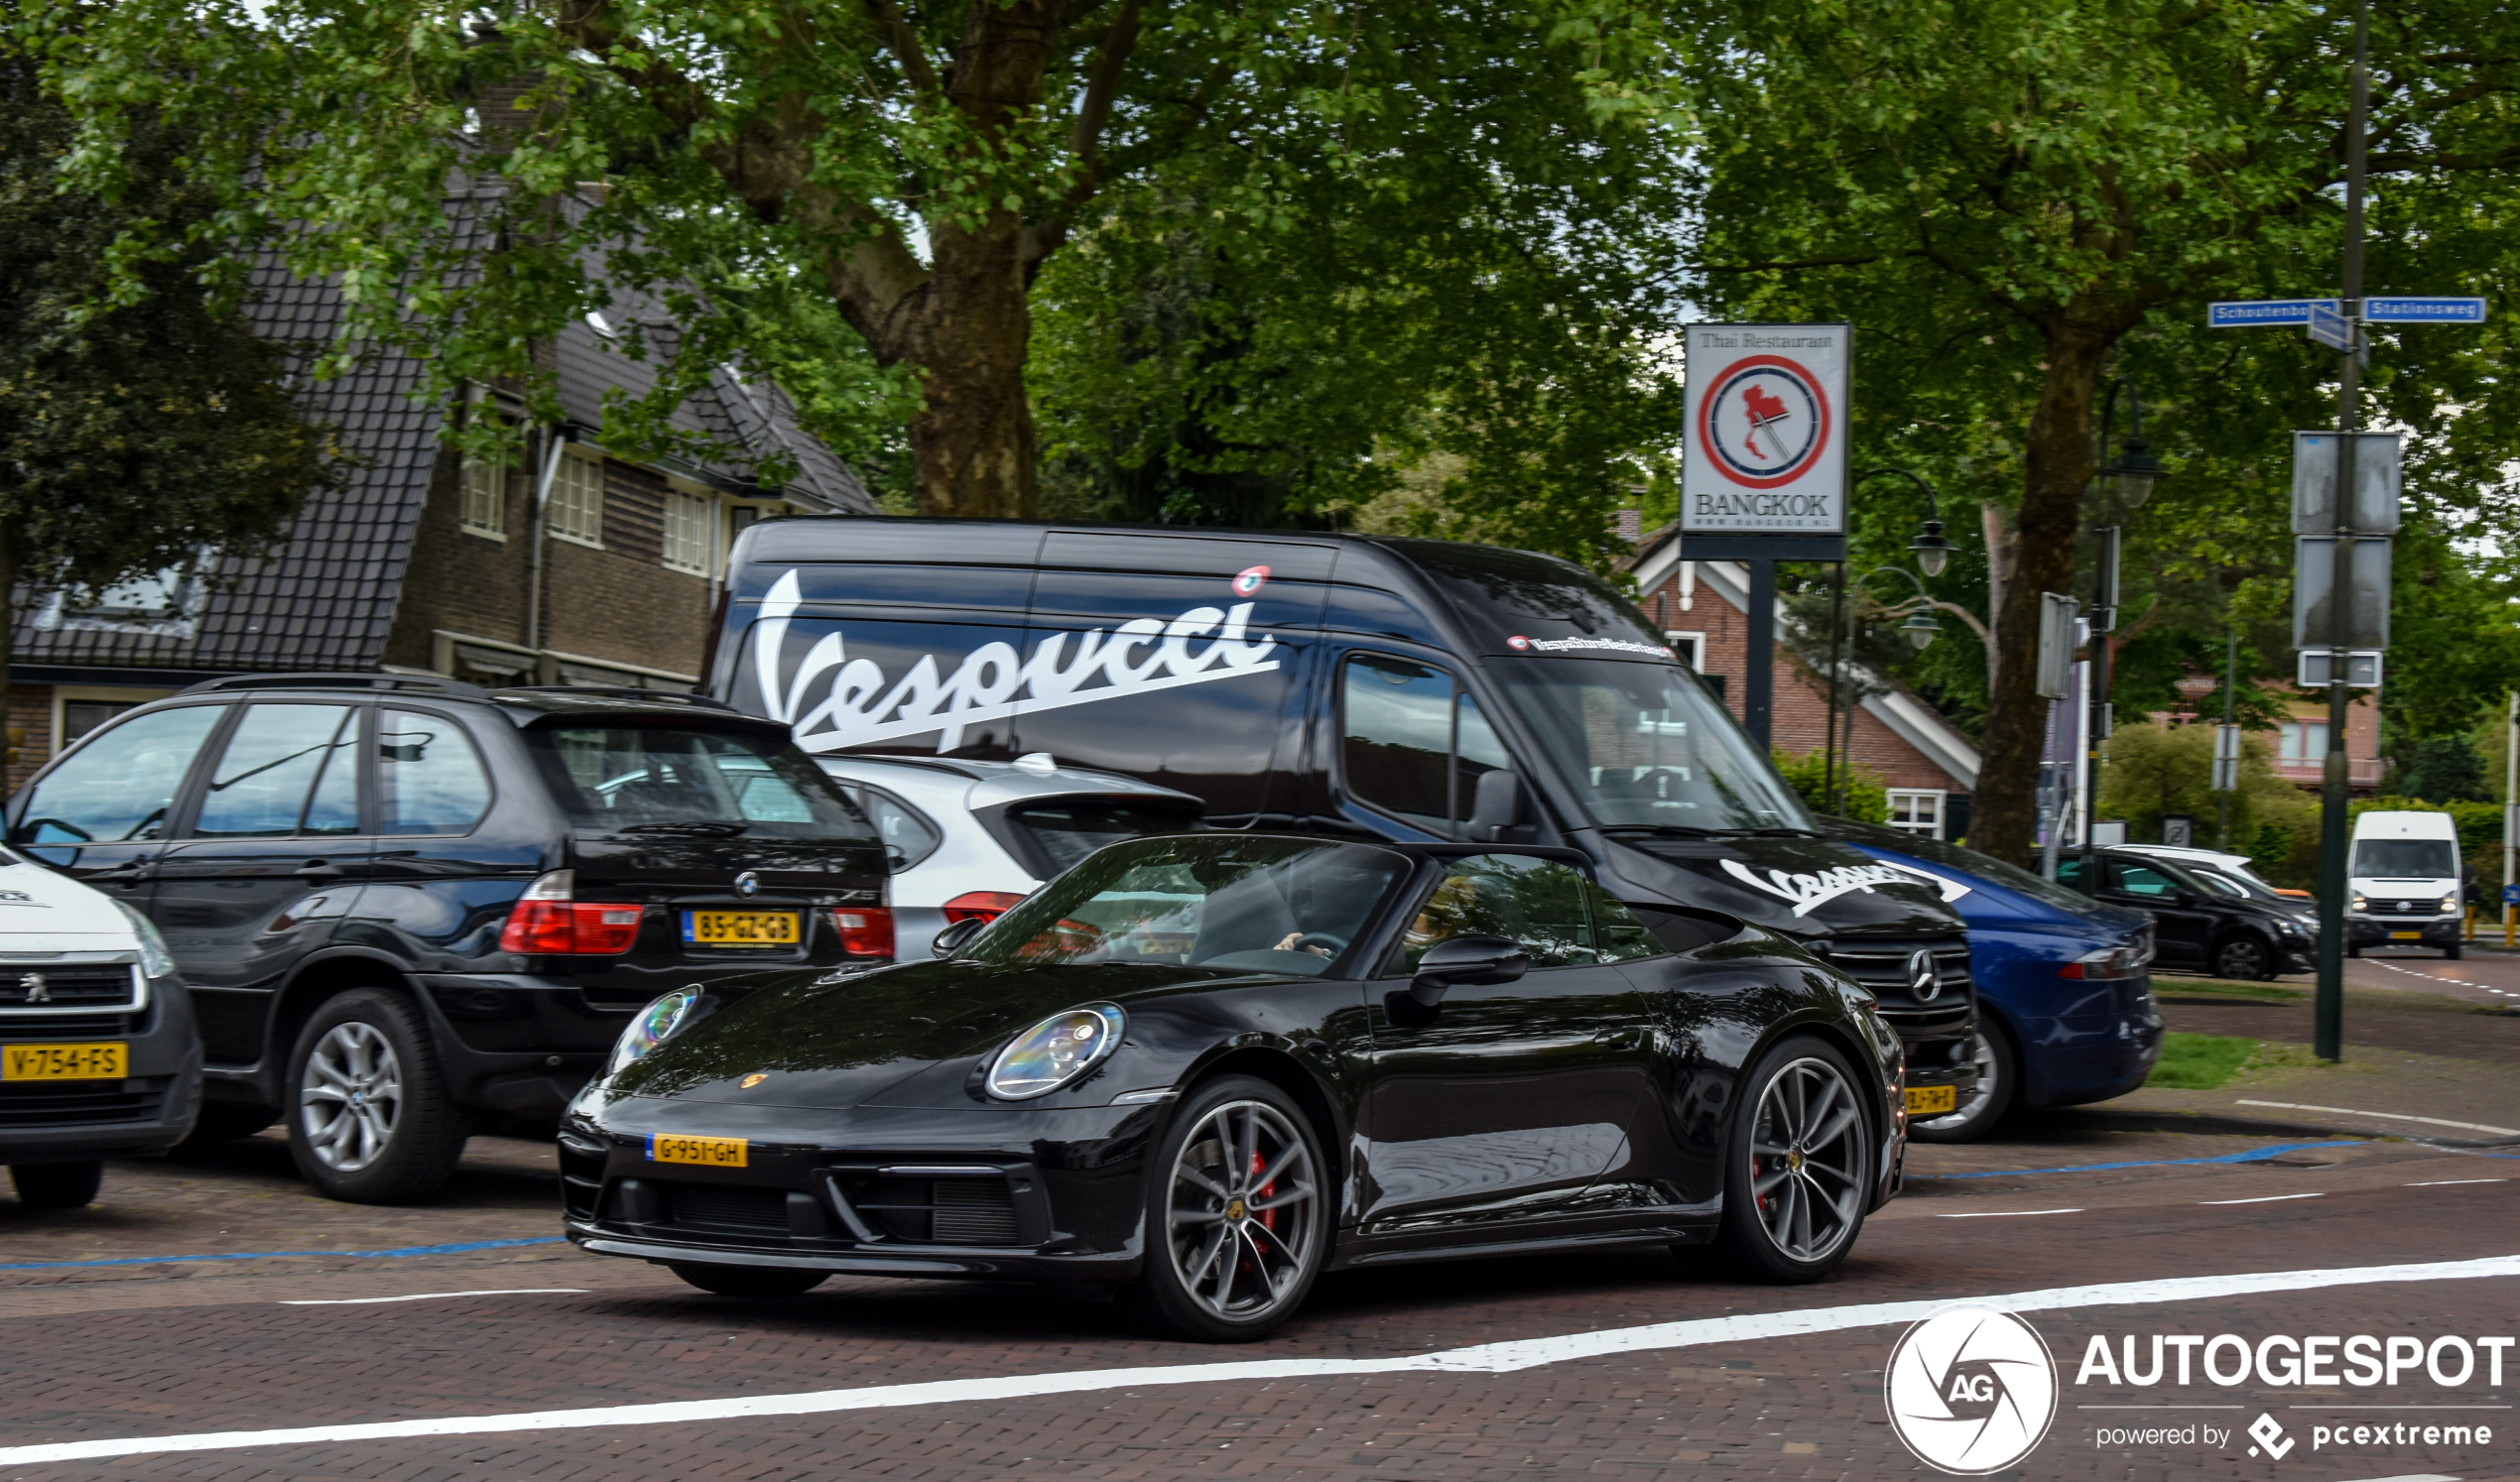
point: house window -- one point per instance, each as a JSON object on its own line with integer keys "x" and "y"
{"x": 687, "y": 531}
{"x": 1690, "y": 648}
{"x": 1916, "y": 810}
{"x": 2303, "y": 741}
{"x": 485, "y": 498}
{"x": 577, "y": 501}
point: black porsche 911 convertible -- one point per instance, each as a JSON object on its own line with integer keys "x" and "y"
{"x": 1203, "y": 1070}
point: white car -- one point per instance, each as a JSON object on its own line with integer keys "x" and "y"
{"x": 968, "y": 839}
{"x": 2234, "y": 865}
{"x": 99, "y": 1056}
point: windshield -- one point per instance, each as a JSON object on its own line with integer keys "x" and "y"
{"x": 1264, "y": 905}
{"x": 637, "y": 778}
{"x": 2405, "y": 859}
{"x": 1645, "y": 747}
{"x": 2232, "y": 881}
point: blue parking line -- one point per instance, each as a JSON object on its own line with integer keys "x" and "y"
{"x": 2254, "y": 1155}
{"x": 409, "y": 1250}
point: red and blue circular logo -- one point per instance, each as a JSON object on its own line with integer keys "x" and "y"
{"x": 1250, "y": 579}
{"x": 1518, "y": 643}
{"x": 1765, "y": 422}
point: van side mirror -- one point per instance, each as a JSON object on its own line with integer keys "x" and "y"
{"x": 1467, "y": 962}
{"x": 1499, "y": 810}
{"x": 956, "y": 935}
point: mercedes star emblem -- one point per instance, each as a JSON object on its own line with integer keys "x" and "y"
{"x": 1923, "y": 982}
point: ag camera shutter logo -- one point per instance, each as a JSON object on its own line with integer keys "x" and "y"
{"x": 1970, "y": 1389}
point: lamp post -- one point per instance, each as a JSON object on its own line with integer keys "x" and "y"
{"x": 1933, "y": 552}
{"x": 1920, "y": 628}
{"x": 2125, "y": 482}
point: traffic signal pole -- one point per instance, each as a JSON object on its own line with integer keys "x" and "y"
{"x": 2328, "y": 1031}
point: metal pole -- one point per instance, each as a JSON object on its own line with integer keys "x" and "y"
{"x": 1758, "y": 687}
{"x": 1836, "y": 663}
{"x": 2103, "y": 623}
{"x": 2510, "y": 796}
{"x": 2330, "y": 1008}
{"x": 2052, "y": 785}
{"x": 2230, "y": 717}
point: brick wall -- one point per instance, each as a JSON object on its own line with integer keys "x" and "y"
{"x": 30, "y": 709}
{"x": 1800, "y": 718}
{"x": 617, "y": 603}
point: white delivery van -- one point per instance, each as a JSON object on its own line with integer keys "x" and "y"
{"x": 2404, "y": 878}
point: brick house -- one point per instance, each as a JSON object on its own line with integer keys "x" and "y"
{"x": 1929, "y": 767}
{"x": 569, "y": 565}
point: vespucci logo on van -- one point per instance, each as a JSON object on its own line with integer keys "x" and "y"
{"x": 861, "y": 704}
{"x": 1809, "y": 892}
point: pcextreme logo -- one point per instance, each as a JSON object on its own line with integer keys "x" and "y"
{"x": 1970, "y": 1389}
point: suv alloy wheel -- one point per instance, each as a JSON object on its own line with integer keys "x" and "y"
{"x": 370, "y": 1120}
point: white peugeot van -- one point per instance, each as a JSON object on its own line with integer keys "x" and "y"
{"x": 2404, "y": 875}
{"x": 98, "y": 1054}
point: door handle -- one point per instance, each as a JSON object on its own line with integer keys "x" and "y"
{"x": 124, "y": 874}
{"x": 317, "y": 869}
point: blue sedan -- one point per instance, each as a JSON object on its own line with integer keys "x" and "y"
{"x": 2066, "y": 1010}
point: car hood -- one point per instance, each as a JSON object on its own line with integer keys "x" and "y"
{"x": 1803, "y": 888}
{"x": 833, "y": 1042}
{"x": 36, "y": 905}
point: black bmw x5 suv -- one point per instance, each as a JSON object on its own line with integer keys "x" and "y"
{"x": 410, "y": 907}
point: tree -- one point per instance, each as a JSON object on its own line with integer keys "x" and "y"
{"x": 2074, "y": 175}
{"x": 137, "y": 435}
{"x": 2445, "y": 769}
{"x": 916, "y": 165}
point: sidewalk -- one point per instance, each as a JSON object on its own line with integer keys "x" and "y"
{"x": 2416, "y": 1065}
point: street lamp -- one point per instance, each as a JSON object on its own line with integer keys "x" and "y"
{"x": 2128, "y": 478}
{"x": 1932, "y": 552}
{"x": 1920, "y": 628}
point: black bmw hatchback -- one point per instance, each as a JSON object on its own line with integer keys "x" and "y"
{"x": 1203, "y": 1070}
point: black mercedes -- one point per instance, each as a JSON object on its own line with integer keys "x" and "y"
{"x": 1202, "y": 1070}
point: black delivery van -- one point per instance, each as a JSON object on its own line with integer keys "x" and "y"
{"x": 1402, "y": 688}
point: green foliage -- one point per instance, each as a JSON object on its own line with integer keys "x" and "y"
{"x": 134, "y": 433}
{"x": 2153, "y": 768}
{"x": 2445, "y": 769}
{"x": 2200, "y": 1063}
{"x": 919, "y": 167}
{"x": 1863, "y": 795}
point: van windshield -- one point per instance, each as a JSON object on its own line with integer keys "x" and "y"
{"x": 1645, "y": 747}
{"x": 2405, "y": 859}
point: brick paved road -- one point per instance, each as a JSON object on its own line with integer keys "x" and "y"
{"x": 98, "y": 1352}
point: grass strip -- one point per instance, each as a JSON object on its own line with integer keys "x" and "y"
{"x": 2200, "y": 1063}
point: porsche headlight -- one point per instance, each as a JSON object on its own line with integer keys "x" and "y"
{"x": 654, "y": 1025}
{"x": 155, "y": 959}
{"x": 1055, "y": 1053}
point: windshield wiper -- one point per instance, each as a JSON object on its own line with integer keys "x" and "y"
{"x": 696, "y": 828}
{"x": 1685, "y": 831}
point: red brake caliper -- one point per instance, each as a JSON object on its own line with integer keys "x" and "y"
{"x": 1268, "y": 1218}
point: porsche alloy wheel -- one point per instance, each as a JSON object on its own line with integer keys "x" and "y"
{"x": 1799, "y": 1170}
{"x": 1239, "y": 1229}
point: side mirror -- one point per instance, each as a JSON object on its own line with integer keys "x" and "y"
{"x": 1469, "y": 961}
{"x": 955, "y": 935}
{"x": 1500, "y": 809}
{"x": 2187, "y": 897}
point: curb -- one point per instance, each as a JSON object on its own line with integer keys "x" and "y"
{"x": 2229, "y": 1125}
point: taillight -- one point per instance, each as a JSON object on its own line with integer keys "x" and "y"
{"x": 865, "y": 931}
{"x": 547, "y": 923}
{"x": 979, "y": 906}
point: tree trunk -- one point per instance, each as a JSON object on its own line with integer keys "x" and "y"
{"x": 969, "y": 329}
{"x": 2004, "y": 816}
{"x": 15, "y": 739}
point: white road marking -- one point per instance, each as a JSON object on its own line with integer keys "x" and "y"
{"x": 355, "y": 1301}
{"x": 2416, "y": 1477}
{"x": 2005, "y": 1213}
{"x": 1485, "y": 1358}
{"x": 2263, "y": 1198}
{"x": 2438, "y": 1182}
{"x": 2347, "y": 1111}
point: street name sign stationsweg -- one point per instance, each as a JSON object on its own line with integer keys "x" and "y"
{"x": 2422, "y": 311}
{"x": 1766, "y": 449}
